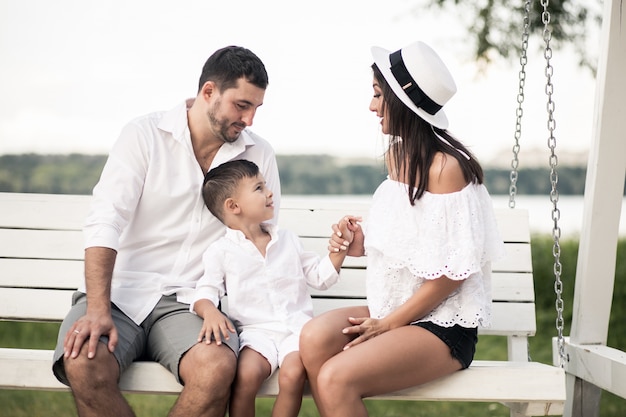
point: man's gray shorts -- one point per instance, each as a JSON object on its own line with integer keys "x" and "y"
{"x": 164, "y": 336}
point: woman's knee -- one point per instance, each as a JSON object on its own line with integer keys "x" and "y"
{"x": 332, "y": 382}
{"x": 310, "y": 335}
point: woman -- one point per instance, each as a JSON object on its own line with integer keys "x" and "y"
{"x": 430, "y": 237}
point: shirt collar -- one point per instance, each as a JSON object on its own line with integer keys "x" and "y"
{"x": 237, "y": 236}
{"x": 175, "y": 122}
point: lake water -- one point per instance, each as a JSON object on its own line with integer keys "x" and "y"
{"x": 539, "y": 211}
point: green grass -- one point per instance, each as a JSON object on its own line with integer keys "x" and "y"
{"x": 43, "y": 335}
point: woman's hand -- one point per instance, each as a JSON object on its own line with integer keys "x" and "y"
{"x": 347, "y": 235}
{"x": 366, "y": 328}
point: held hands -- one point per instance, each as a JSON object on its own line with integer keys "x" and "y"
{"x": 347, "y": 236}
{"x": 215, "y": 325}
{"x": 89, "y": 328}
{"x": 366, "y": 328}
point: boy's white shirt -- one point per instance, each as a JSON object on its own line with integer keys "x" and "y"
{"x": 271, "y": 291}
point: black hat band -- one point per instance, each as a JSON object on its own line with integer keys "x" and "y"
{"x": 410, "y": 87}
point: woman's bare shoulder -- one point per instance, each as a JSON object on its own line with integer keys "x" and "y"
{"x": 445, "y": 175}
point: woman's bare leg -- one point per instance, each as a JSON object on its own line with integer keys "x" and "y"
{"x": 322, "y": 338}
{"x": 397, "y": 359}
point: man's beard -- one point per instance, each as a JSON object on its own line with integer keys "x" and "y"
{"x": 221, "y": 127}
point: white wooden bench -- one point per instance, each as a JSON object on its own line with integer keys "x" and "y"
{"x": 41, "y": 263}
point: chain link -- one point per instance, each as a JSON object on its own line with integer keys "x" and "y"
{"x": 554, "y": 178}
{"x": 519, "y": 112}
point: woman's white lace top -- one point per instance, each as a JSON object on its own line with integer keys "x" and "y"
{"x": 454, "y": 234}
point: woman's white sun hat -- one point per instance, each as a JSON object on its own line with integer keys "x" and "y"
{"x": 419, "y": 78}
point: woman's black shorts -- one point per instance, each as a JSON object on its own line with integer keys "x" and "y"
{"x": 461, "y": 340}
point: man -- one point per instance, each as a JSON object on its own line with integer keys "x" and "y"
{"x": 144, "y": 239}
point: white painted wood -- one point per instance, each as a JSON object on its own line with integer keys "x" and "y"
{"x": 485, "y": 381}
{"x": 517, "y": 348}
{"x": 601, "y": 365}
{"x": 41, "y": 264}
{"x": 57, "y": 244}
{"x": 63, "y": 274}
{"x": 52, "y": 305}
{"x": 27, "y": 304}
{"x": 513, "y": 287}
{"x": 67, "y": 212}
{"x": 601, "y": 214}
{"x": 40, "y": 273}
{"x": 43, "y": 211}
{"x": 604, "y": 187}
{"x": 509, "y": 287}
{"x": 41, "y": 244}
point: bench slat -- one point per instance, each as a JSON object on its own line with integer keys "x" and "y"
{"x": 52, "y": 305}
{"x": 509, "y": 319}
{"x": 27, "y": 304}
{"x": 516, "y": 287}
{"x": 64, "y": 274}
{"x": 54, "y": 244}
{"x": 68, "y": 212}
{"x": 41, "y": 244}
{"x": 43, "y": 211}
{"x": 41, "y": 273}
{"x": 487, "y": 381}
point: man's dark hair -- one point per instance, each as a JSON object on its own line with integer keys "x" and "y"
{"x": 229, "y": 64}
{"x": 221, "y": 183}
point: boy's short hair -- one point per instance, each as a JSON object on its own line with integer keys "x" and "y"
{"x": 220, "y": 183}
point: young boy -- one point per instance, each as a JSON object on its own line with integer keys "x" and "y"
{"x": 265, "y": 272}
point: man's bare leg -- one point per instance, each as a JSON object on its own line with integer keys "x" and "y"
{"x": 94, "y": 384}
{"x": 207, "y": 372}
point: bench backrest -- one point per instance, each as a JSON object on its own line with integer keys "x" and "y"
{"x": 41, "y": 260}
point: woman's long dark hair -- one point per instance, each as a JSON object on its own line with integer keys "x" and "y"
{"x": 413, "y": 143}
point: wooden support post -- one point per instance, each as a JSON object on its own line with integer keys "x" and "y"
{"x": 604, "y": 188}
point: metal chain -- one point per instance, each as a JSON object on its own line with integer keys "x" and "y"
{"x": 523, "y": 60}
{"x": 554, "y": 178}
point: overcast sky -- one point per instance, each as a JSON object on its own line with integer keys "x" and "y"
{"x": 74, "y": 72}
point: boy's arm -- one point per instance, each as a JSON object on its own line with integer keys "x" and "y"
{"x": 215, "y": 323}
{"x": 337, "y": 259}
{"x": 210, "y": 289}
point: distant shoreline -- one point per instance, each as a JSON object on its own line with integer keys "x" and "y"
{"x": 539, "y": 210}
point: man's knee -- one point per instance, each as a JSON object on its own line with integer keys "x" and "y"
{"x": 101, "y": 370}
{"x": 208, "y": 365}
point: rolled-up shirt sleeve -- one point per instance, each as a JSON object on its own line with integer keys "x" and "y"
{"x": 118, "y": 191}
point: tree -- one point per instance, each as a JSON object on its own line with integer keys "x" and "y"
{"x": 497, "y": 25}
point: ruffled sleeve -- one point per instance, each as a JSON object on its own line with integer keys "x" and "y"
{"x": 442, "y": 234}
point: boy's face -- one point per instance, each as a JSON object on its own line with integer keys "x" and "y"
{"x": 255, "y": 199}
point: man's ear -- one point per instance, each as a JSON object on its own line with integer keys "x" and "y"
{"x": 231, "y": 206}
{"x": 208, "y": 89}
